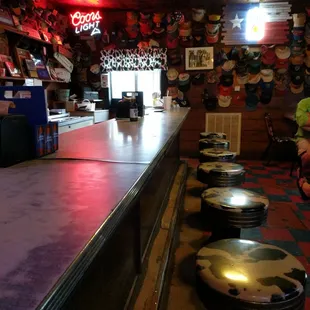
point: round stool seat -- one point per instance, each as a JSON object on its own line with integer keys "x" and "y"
{"x": 220, "y": 174}
{"x": 238, "y": 274}
{"x": 213, "y": 143}
{"x": 234, "y": 207}
{"x": 212, "y": 135}
{"x": 213, "y": 154}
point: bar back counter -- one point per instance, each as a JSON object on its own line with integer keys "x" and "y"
{"x": 76, "y": 226}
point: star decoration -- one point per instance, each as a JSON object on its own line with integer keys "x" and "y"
{"x": 236, "y": 22}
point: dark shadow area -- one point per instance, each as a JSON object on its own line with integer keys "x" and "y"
{"x": 187, "y": 270}
{"x": 196, "y": 191}
{"x": 194, "y": 220}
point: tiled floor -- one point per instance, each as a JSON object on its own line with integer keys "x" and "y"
{"x": 287, "y": 226}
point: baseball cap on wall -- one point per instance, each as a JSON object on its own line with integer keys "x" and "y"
{"x": 227, "y": 80}
{"x": 267, "y": 75}
{"x": 251, "y": 101}
{"x": 225, "y": 90}
{"x": 296, "y": 89}
{"x": 224, "y": 101}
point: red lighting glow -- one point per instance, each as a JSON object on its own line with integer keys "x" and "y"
{"x": 86, "y": 21}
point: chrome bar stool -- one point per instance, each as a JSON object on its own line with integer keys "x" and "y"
{"x": 213, "y": 135}
{"x": 213, "y": 154}
{"x": 226, "y": 210}
{"x": 236, "y": 274}
{"x": 220, "y": 174}
{"x": 214, "y": 143}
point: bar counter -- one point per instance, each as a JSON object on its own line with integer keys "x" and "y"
{"x": 98, "y": 196}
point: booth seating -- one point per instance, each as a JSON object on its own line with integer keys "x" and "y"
{"x": 219, "y": 155}
{"x": 236, "y": 274}
{"x": 221, "y": 174}
{"x": 213, "y": 135}
{"x": 227, "y": 209}
{"x": 214, "y": 143}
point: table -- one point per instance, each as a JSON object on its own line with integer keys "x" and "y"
{"x": 86, "y": 213}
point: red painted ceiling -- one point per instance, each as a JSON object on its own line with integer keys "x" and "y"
{"x": 159, "y": 5}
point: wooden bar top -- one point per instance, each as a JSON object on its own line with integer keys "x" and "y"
{"x": 55, "y": 215}
{"x": 122, "y": 140}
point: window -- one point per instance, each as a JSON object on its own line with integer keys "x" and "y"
{"x": 146, "y": 81}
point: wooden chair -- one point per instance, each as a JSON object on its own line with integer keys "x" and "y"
{"x": 274, "y": 141}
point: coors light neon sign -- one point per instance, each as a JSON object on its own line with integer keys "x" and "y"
{"x": 86, "y": 22}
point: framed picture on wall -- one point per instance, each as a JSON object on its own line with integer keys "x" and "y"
{"x": 199, "y": 58}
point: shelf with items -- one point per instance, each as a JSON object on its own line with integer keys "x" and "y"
{"x": 10, "y": 78}
{"x": 13, "y": 29}
{"x": 31, "y": 64}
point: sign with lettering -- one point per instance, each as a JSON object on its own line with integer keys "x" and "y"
{"x": 86, "y": 22}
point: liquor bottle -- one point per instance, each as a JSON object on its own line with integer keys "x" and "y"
{"x": 133, "y": 110}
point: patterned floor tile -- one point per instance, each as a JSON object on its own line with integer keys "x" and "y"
{"x": 251, "y": 179}
{"x": 252, "y": 234}
{"x": 305, "y": 247}
{"x": 277, "y": 171}
{"x": 281, "y": 198}
{"x": 260, "y": 168}
{"x": 306, "y": 214}
{"x": 292, "y": 191}
{"x": 300, "y": 235}
{"x": 304, "y": 206}
{"x": 299, "y": 214}
{"x": 296, "y": 199}
{"x": 274, "y": 191}
{"x": 267, "y": 182}
{"x": 283, "y": 216}
{"x": 276, "y": 234}
{"x": 286, "y": 182}
{"x": 258, "y": 190}
{"x": 249, "y": 185}
{"x": 283, "y": 177}
{"x": 261, "y": 173}
{"x": 306, "y": 223}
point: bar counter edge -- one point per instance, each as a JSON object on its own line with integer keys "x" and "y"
{"x": 64, "y": 287}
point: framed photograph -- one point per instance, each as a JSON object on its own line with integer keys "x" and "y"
{"x": 199, "y": 58}
{"x": 21, "y": 55}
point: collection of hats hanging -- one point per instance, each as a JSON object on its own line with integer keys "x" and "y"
{"x": 174, "y": 20}
{"x": 178, "y": 85}
{"x": 307, "y": 59}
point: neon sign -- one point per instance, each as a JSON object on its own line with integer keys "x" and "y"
{"x": 86, "y": 22}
